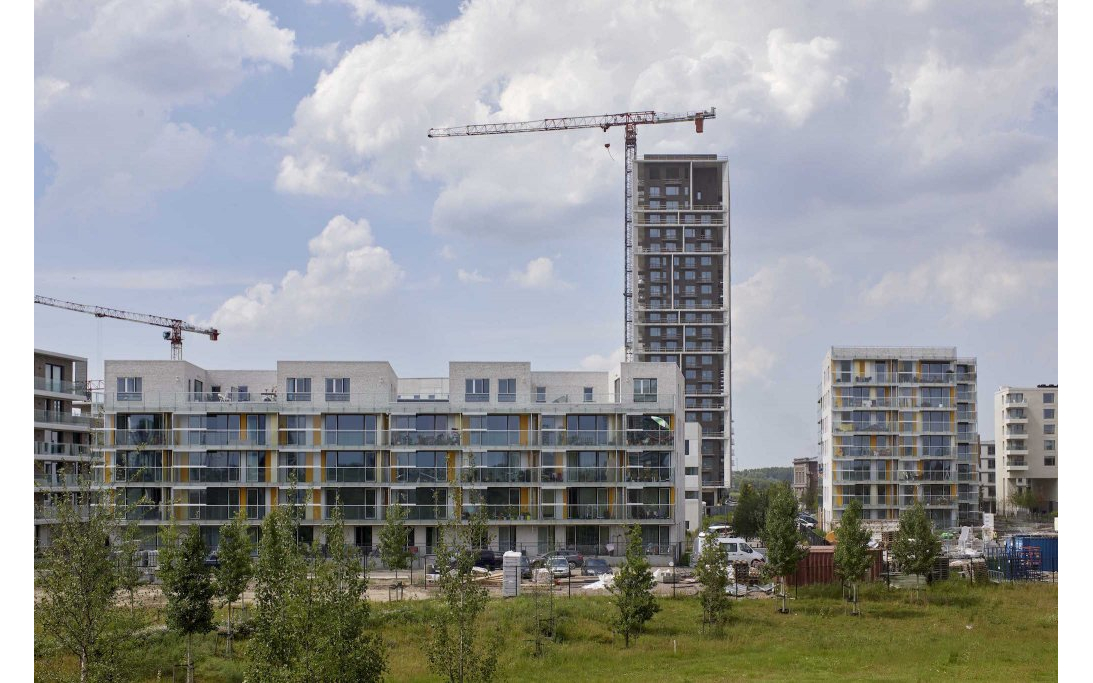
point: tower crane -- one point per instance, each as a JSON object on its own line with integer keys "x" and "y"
{"x": 175, "y": 325}
{"x": 630, "y": 120}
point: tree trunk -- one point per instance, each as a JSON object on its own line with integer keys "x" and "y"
{"x": 189, "y": 659}
{"x": 83, "y": 667}
{"x": 229, "y": 648}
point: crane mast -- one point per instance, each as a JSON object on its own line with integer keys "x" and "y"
{"x": 630, "y": 120}
{"x": 175, "y": 325}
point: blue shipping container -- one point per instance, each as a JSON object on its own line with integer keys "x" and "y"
{"x": 1049, "y": 549}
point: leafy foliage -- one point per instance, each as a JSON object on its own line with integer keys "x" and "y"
{"x": 311, "y": 615}
{"x": 187, "y": 585}
{"x": 749, "y": 517}
{"x": 916, "y": 546}
{"x": 452, "y": 648}
{"x": 236, "y": 567}
{"x": 852, "y": 557}
{"x": 392, "y": 539}
{"x": 781, "y": 536}
{"x": 631, "y": 588}
{"x": 78, "y": 575}
{"x": 712, "y": 572}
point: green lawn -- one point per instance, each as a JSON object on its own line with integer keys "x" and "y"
{"x": 984, "y": 632}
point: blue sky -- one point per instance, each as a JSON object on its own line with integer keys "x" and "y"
{"x": 894, "y": 171}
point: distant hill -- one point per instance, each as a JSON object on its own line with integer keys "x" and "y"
{"x": 762, "y": 476}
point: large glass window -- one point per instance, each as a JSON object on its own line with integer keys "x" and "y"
{"x": 215, "y": 466}
{"x": 129, "y": 388}
{"x": 294, "y": 430}
{"x": 298, "y": 389}
{"x": 350, "y": 430}
{"x": 421, "y": 466}
{"x": 500, "y": 430}
{"x": 256, "y": 466}
{"x": 645, "y": 390}
{"x": 357, "y": 503}
{"x": 506, "y": 390}
{"x": 337, "y": 388}
{"x": 478, "y": 390}
{"x": 343, "y": 466}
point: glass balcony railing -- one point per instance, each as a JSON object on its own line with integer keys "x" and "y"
{"x": 49, "y": 448}
{"x": 425, "y": 438}
{"x": 217, "y": 437}
{"x": 643, "y": 437}
{"x": 498, "y": 475}
{"x": 60, "y": 417}
{"x": 138, "y": 437}
{"x": 586, "y": 475}
{"x": 593, "y": 511}
{"x": 141, "y": 474}
{"x": 420, "y": 474}
{"x": 639, "y": 474}
{"x": 353, "y": 512}
{"x": 645, "y": 512}
{"x": 346, "y": 437}
{"x": 501, "y": 512}
{"x": 351, "y": 474}
{"x": 60, "y": 386}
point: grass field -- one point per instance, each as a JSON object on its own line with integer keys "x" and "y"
{"x": 983, "y": 632}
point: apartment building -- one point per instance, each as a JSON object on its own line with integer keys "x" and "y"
{"x": 553, "y": 458}
{"x": 988, "y": 482}
{"x": 1026, "y": 435}
{"x": 896, "y": 425}
{"x": 62, "y": 433}
{"x": 681, "y": 291}
{"x": 806, "y": 472}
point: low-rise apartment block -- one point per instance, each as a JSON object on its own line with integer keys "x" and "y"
{"x": 1026, "y": 435}
{"x": 555, "y": 459}
{"x": 62, "y": 433}
{"x": 806, "y": 472}
{"x": 898, "y": 425}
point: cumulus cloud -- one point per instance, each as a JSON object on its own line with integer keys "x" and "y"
{"x": 471, "y": 277}
{"x": 600, "y": 363}
{"x": 346, "y": 271}
{"x": 447, "y": 253}
{"x": 538, "y": 274}
{"x": 979, "y": 280}
{"x": 121, "y": 69}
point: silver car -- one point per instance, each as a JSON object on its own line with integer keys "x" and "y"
{"x": 558, "y": 566}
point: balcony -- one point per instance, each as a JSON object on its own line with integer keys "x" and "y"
{"x": 501, "y": 512}
{"x": 863, "y": 452}
{"x": 642, "y": 511}
{"x": 498, "y": 475}
{"x": 642, "y": 437}
{"x": 351, "y": 475}
{"x": 135, "y": 475}
{"x": 416, "y": 475}
{"x": 1015, "y": 401}
{"x": 353, "y": 512}
{"x": 220, "y": 437}
{"x": 425, "y": 438}
{"x": 866, "y": 427}
{"x": 646, "y": 475}
{"x": 62, "y": 418}
{"x": 588, "y": 475}
{"x": 66, "y": 480}
{"x": 1015, "y": 416}
{"x": 66, "y": 449}
{"x": 593, "y": 512}
{"x": 350, "y": 437}
{"x": 1016, "y": 464}
{"x": 916, "y": 476}
{"x": 70, "y": 390}
{"x": 138, "y": 437}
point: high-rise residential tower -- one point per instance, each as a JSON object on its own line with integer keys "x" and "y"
{"x": 682, "y": 295}
{"x": 898, "y": 425}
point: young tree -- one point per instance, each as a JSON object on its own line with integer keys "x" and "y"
{"x": 631, "y": 588}
{"x": 78, "y": 575}
{"x": 345, "y": 650}
{"x": 236, "y": 568}
{"x": 452, "y": 651}
{"x": 781, "y": 536}
{"x": 744, "y": 516}
{"x": 393, "y": 550}
{"x": 279, "y": 575}
{"x": 187, "y": 585}
{"x": 852, "y": 557}
{"x": 712, "y": 572}
{"x": 916, "y": 547}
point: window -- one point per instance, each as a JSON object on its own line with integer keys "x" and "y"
{"x": 55, "y": 375}
{"x": 1049, "y": 461}
{"x": 1049, "y": 429}
{"x": 478, "y": 390}
{"x": 196, "y": 389}
{"x": 645, "y": 390}
{"x": 1049, "y": 413}
{"x": 298, "y": 389}
{"x": 588, "y": 394}
{"x": 337, "y": 388}
{"x": 540, "y": 394}
{"x": 129, "y": 388}
{"x": 506, "y": 390}
{"x": 672, "y": 191}
{"x": 1049, "y": 398}
{"x": 1049, "y": 444}
{"x": 654, "y": 191}
{"x": 241, "y": 393}
{"x": 691, "y": 471}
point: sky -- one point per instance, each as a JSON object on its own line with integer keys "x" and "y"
{"x": 264, "y": 168}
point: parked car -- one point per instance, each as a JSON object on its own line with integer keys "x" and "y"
{"x": 595, "y": 566}
{"x": 488, "y": 559}
{"x": 574, "y": 558}
{"x": 212, "y": 560}
{"x": 737, "y": 549}
{"x": 558, "y": 566}
{"x": 525, "y": 567}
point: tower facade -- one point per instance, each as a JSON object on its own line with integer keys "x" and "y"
{"x": 682, "y": 293}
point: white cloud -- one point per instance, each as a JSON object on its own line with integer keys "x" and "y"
{"x": 121, "y": 69}
{"x": 600, "y": 363}
{"x": 538, "y": 274}
{"x": 800, "y": 77}
{"x": 327, "y": 53}
{"x": 345, "y": 273}
{"x": 447, "y": 253}
{"x": 391, "y": 17}
{"x": 980, "y": 280}
{"x": 472, "y": 277}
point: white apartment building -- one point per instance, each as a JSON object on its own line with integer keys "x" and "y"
{"x": 988, "y": 477}
{"x": 896, "y": 425}
{"x": 555, "y": 459}
{"x": 682, "y": 298}
{"x": 62, "y": 432}
{"x": 1026, "y": 435}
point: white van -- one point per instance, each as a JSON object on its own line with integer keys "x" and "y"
{"x": 736, "y": 549}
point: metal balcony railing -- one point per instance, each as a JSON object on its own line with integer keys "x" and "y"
{"x": 343, "y": 475}
{"x": 499, "y": 475}
{"x": 57, "y": 417}
{"x": 60, "y": 386}
{"x": 49, "y": 448}
{"x": 644, "y": 511}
